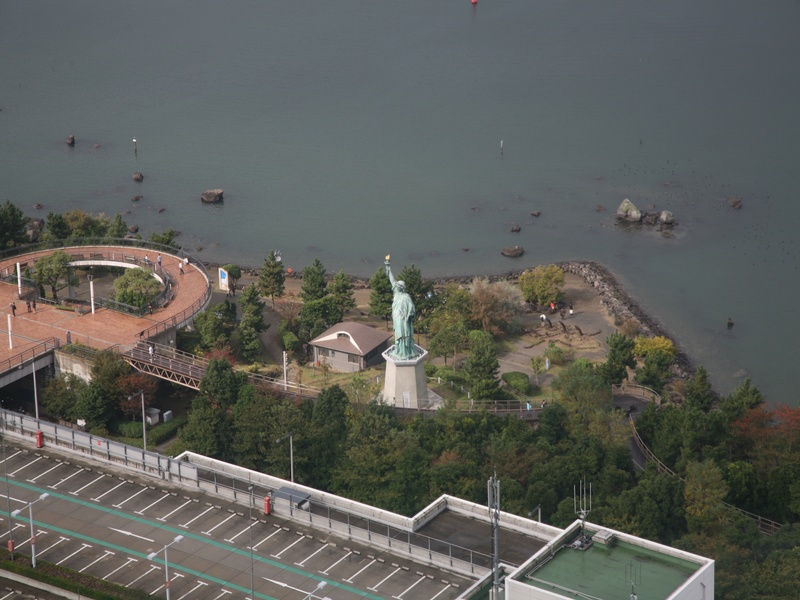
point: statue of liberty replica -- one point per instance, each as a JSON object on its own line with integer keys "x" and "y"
{"x": 405, "y": 383}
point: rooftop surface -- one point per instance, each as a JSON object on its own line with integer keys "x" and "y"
{"x": 605, "y": 573}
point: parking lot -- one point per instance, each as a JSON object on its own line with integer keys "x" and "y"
{"x": 106, "y": 524}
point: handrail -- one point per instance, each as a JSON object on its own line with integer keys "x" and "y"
{"x": 31, "y": 353}
{"x": 631, "y": 389}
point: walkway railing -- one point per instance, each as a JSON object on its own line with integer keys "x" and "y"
{"x": 39, "y": 349}
{"x": 638, "y": 391}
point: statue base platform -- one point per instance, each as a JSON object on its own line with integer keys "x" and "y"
{"x": 405, "y": 385}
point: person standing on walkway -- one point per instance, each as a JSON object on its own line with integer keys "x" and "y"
{"x": 28, "y": 305}
{"x": 33, "y": 303}
{"x": 158, "y": 259}
{"x": 180, "y": 267}
{"x": 151, "y": 352}
{"x": 13, "y": 309}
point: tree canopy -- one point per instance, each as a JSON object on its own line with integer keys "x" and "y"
{"x": 136, "y": 287}
{"x": 272, "y": 279}
{"x": 542, "y": 285}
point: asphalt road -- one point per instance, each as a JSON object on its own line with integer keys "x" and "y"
{"x": 106, "y": 523}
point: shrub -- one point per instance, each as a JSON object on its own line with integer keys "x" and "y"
{"x": 517, "y": 380}
{"x": 164, "y": 431}
{"x": 131, "y": 429}
{"x": 290, "y": 341}
{"x": 648, "y": 345}
{"x": 556, "y": 355}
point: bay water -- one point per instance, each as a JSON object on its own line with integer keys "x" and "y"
{"x": 349, "y": 130}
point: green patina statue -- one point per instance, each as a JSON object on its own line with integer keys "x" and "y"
{"x": 403, "y": 313}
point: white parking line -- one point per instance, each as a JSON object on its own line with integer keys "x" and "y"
{"x": 109, "y": 491}
{"x": 152, "y": 568}
{"x": 10, "y": 457}
{"x": 159, "y": 588}
{"x": 61, "y": 539}
{"x": 418, "y": 581}
{"x": 76, "y": 492}
{"x": 8, "y": 595}
{"x": 130, "y": 560}
{"x": 325, "y": 545}
{"x": 442, "y": 592}
{"x": 61, "y": 464}
{"x": 222, "y": 594}
{"x": 26, "y": 466}
{"x": 277, "y": 531}
{"x": 14, "y": 499}
{"x": 218, "y": 524}
{"x": 168, "y": 515}
{"x": 36, "y": 535}
{"x": 52, "y": 487}
{"x": 360, "y": 572}
{"x": 81, "y": 549}
{"x": 209, "y": 509}
{"x": 198, "y": 586}
{"x": 230, "y": 540}
{"x": 325, "y": 572}
{"x": 377, "y": 585}
{"x": 141, "y": 512}
{"x": 105, "y": 555}
{"x": 144, "y": 489}
{"x": 300, "y": 539}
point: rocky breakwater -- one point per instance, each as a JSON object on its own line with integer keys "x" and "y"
{"x": 623, "y": 308}
{"x": 628, "y": 213}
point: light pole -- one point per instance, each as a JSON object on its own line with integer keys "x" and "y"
{"x": 319, "y": 587}
{"x": 152, "y": 555}
{"x": 30, "y": 518}
{"x": 252, "y": 579}
{"x": 291, "y": 454}
{"x": 144, "y": 423}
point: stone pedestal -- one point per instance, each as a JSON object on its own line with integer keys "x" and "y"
{"x": 405, "y": 384}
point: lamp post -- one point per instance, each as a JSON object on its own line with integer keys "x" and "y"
{"x": 252, "y": 579}
{"x": 144, "y": 423}
{"x": 319, "y": 587}
{"x": 30, "y": 518}
{"x": 152, "y": 555}
{"x": 90, "y": 277}
{"x": 291, "y": 454}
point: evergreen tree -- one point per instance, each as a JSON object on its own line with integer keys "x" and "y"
{"x": 117, "y": 228}
{"x": 380, "y": 296}
{"x": 620, "y": 356}
{"x": 272, "y": 279}
{"x": 314, "y": 282}
{"x": 55, "y": 227}
{"x": 341, "y": 288}
{"x": 166, "y": 238}
{"x": 12, "y": 226}
{"x": 136, "y": 287}
{"x": 421, "y": 291}
{"x": 252, "y": 323}
{"x": 482, "y": 366}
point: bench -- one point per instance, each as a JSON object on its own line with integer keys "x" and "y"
{"x": 98, "y": 256}
{"x": 131, "y": 259}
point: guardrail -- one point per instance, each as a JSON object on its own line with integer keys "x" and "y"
{"x": 639, "y": 391}
{"x": 31, "y": 353}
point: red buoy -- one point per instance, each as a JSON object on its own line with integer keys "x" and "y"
{"x": 474, "y": 1}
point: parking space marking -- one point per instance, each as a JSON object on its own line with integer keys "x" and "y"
{"x": 10, "y": 457}
{"x": 230, "y": 540}
{"x": 144, "y": 489}
{"x": 442, "y": 592}
{"x": 418, "y": 581}
{"x": 302, "y": 563}
{"x": 130, "y": 560}
{"x": 61, "y": 464}
{"x": 16, "y": 526}
{"x": 141, "y": 512}
{"x": 382, "y": 581}
{"x": 297, "y": 541}
{"x": 109, "y": 491}
{"x": 277, "y": 531}
{"x": 37, "y": 534}
{"x": 26, "y": 466}
{"x": 222, "y": 594}
{"x": 14, "y": 499}
{"x": 152, "y": 568}
{"x": 159, "y": 588}
{"x": 209, "y": 509}
{"x": 325, "y": 572}
{"x": 61, "y": 539}
{"x": 195, "y": 588}
{"x": 360, "y": 572}
{"x": 81, "y": 549}
{"x": 168, "y": 515}
{"x": 106, "y": 554}
{"x": 218, "y": 524}
{"x": 78, "y": 491}
{"x": 52, "y": 487}
{"x": 8, "y": 595}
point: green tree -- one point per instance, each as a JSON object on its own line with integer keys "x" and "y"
{"x": 136, "y": 287}
{"x": 234, "y": 273}
{"x": 83, "y": 225}
{"x": 117, "y": 228}
{"x": 314, "y": 282}
{"x": 272, "y": 279}
{"x": 341, "y": 288}
{"x": 494, "y": 306}
{"x": 542, "y": 285}
{"x": 380, "y": 296}
{"x": 704, "y": 493}
{"x": 447, "y": 334}
{"x": 216, "y": 323}
{"x": 61, "y": 396}
{"x": 55, "y": 227}
{"x": 699, "y": 392}
{"x": 327, "y": 435}
{"x": 655, "y": 371}
{"x": 481, "y": 366}
{"x": 251, "y": 324}
{"x": 537, "y": 366}
{"x": 208, "y": 430}
{"x": 420, "y": 290}
{"x": 53, "y": 270}
{"x": 620, "y": 356}
{"x": 221, "y": 384}
{"x": 94, "y": 407}
{"x": 586, "y": 397}
{"x": 12, "y": 226}
{"x": 165, "y": 238}
{"x": 318, "y": 315}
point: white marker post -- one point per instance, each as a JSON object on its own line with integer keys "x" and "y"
{"x": 10, "y": 341}
{"x": 19, "y": 281}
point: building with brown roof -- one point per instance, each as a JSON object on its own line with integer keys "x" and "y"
{"x": 351, "y": 346}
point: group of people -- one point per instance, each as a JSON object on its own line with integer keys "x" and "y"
{"x": 29, "y": 304}
{"x": 563, "y": 312}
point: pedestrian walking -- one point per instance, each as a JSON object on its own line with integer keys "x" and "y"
{"x": 151, "y": 352}
{"x": 180, "y": 267}
{"x": 33, "y": 303}
{"x": 158, "y": 259}
{"x": 571, "y": 312}
{"x": 13, "y": 309}
{"x": 28, "y": 305}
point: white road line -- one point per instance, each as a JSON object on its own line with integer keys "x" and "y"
{"x": 81, "y": 549}
{"x": 420, "y": 580}
{"x": 61, "y": 539}
{"x": 130, "y": 560}
{"x": 277, "y": 531}
{"x": 221, "y": 595}
{"x": 168, "y": 515}
{"x": 14, "y": 499}
{"x": 105, "y": 555}
{"x": 360, "y": 572}
{"x": 159, "y": 588}
{"x": 152, "y": 568}
{"x": 61, "y": 464}
{"x": 36, "y": 535}
{"x": 144, "y": 489}
{"x": 325, "y": 572}
{"x": 52, "y": 487}
{"x": 209, "y": 509}
{"x": 218, "y": 524}
{"x": 10, "y": 457}
{"x": 447, "y": 587}
{"x": 325, "y": 545}
{"x": 377, "y": 585}
{"x": 8, "y": 595}
{"x": 141, "y": 512}
{"x": 76, "y": 492}
{"x": 297, "y": 541}
{"x": 26, "y": 466}
{"x": 199, "y": 585}
{"x": 109, "y": 491}
{"x": 230, "y": 540}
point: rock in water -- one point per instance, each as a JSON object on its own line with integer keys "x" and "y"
{"x": 627, "y": 211}
{"x": 71, "y": 141}
{"x": 513, "y": 251}
{"x": 666, "y": 218}
{"x": 137, "y": 176}
{"x": 212, "y": 196}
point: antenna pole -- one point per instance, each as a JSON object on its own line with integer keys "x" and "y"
{"x": 494, "y": 515}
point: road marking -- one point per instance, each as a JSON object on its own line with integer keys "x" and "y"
{"x": 360, "y": 572}
{"x": 375, "y": 588}
{"x": 141, "y": 512}
{"x": 26, "y": 466}
{"x": 159, "y": 588}
{"x": 8, "y": 595}
{"x": 131, "y": 534}
{"x": 420, "y": 580}
{"x": 61, "y": 464}
{"x": 52, "y": 487}
{"x": 152, "y": 568}
{"x": 198, "y": 586}
{"x": 144, "y": 489}
{"x": 97, "y": 560}
{"x": 10, "y": 457}
{"x": 209, "y": 509}
{"x": 223, "y": 593}
{"x": 277, "y": 531}
{"x": 130, "y": 560}
{"x": 109, "y": 491}
{"x": 14, "y": 499}
{"x": 37, "y": 534}
{"x": 168, "y": 515}
{"x": 442, "y": 592}
{"x": 76, "y": 492}
{"x": 230, "y": 540}
{"x": 218, "y": 524}
{"x": 81, "y": 549}
{"x": 61, "y": 539}
{"x": 325, "y": 572}
{"x": 297, "y": 541}
{"x": 300, "y": 564}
